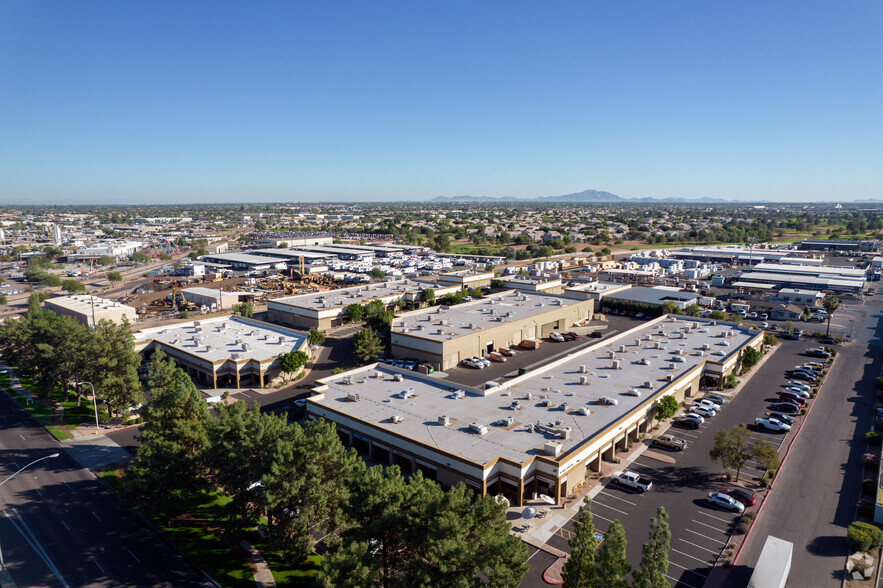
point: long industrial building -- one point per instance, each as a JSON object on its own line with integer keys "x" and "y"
{"x": 444, "y": 335}
{"x": 230, "y": 351}
{"x": 89, "y": 310}
{"x": 545, "y": 431}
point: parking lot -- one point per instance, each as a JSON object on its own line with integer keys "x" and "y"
{"x": 682, "y": 480}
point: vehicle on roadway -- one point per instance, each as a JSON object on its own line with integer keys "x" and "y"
{"x": 773, "y": 565}
{"x": 782, "y": 418}
{"x": 632, "y": 480}
{"x": 771, "y": 424}
{"x": 785, "y": 407}
{"x": 670, "y": 442}
{"x": 557, "y": 337}
{"x": 725, "y": 502}
{"x": 746, "y": 497}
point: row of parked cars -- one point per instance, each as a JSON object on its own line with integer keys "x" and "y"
{"x": 701, "y": 409}
{"x": 795, "y": 395}
{"x": 480, "y": 363}
{"x": 408, "y": 364}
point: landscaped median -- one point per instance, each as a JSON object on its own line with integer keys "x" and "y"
{"x": 201, "y": 534}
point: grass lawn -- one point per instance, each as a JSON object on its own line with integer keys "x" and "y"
{"x": 213, "y": 555}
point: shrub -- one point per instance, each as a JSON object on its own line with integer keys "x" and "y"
{"x": 872, "y": 437}
{"x": 869, "y": 486}
{"x": 880, "y": 383}
{"x": 337, "y": 370}
{"x": 764, "y": 482}
{"x": 863, "y": 536}
{"x": 802, "y": 411}
{"x": 743, "y": 527}
{"x": 748, "y": 516}
{"x": 872, "y": 462}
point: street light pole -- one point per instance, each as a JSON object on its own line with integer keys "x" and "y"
{"x": 4, "y": 573}
{"x": 94, "y": 404}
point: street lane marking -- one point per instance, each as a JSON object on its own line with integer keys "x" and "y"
{"x": 648, "y": 467}
{"x": 37, "y": 490}
{"x": 95, "y": 561}
{"x": 594, "y": 502}
{"x": 715, "y": 552}
{"x": 65, "y": 525}
{"x": 718, "y": 518}
{"x": 597, "y": 516}
{"x": 608, "y": 495}
{"x": 679, "y": 582}
{"x": 688, "y": 569}
{"x": 691, "y": 556}
{"x": 710, "y": 527}
{"x": 705, "y": 536}
{"x": 528, "y": 559}
{"x": 65, "y": 483}
{"x": 22, "y": 437}
{"x": 97, "y": 517}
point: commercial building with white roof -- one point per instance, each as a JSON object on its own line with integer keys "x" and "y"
{"x": 89, "y": 310}
{"x": 230, "y": 351}
{"x": 245, "y": 261}
{"x": 445, "y": 335}
{"x": 545, "y": 431}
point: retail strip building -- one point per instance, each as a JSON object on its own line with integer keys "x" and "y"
{"x": 545, "y": 431}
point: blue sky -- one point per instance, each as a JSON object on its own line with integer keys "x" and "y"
{"x": 167, "y": 101}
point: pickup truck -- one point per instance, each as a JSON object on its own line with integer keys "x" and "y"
{"x": 633, "y": 480}
{"x": 670, "y": 442}
{"x": 771, "y": 424}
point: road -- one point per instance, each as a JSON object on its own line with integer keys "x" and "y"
{"x": 59, "y": 526}
{"x": 814, "y": 498}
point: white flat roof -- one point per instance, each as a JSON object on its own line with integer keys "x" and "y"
{"x": 559, "y": 383}
{"x": 600, "y": 287}
{"x": 245, "y": 258}
{"x": 442, "y": 323}
{"x": 290, "y": 253}
{"x": 84, "y": 303}
{"x": 219, "y": 339}
{"x": 824, "y": 271}
{"x": 361, "y": 294}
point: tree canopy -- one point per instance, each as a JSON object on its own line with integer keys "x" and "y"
{"x": 366, "y": 345}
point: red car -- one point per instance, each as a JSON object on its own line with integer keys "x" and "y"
{"x": 574, "y": 335}
{"x": 791, "y": 397}
{"x": 746, "y": 497}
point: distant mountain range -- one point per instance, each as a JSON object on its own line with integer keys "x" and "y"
{"x": 586, "y": 196}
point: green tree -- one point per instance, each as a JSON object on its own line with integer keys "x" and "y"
{"x": 106, "y": 260}
{"x": 140, "y": 257}
{"x": 427, "y": 295}
{"x": 317, "y": 338}
{"x": 52, "y": 280}
{"x": 718, "y": 315}
{"x": 750, "y": 357}
{"x": 354, "y": 312}
{"x": 830, "y": 303}
{"x": 4, "y": 301}
{"x": 376, "y": 273}
{"x": 374, "y": 308}
{"x": 245, "y": 309}
{"x": 665, "y": 408}
{"x": 366, "y": 345}
{"x": 579, "y": 569}
{"x": 765, "y": 454}
{"x": 291, "y": 362}
{"x": 732, "y": 448}
{"x": 654, "y": 554}
{"x": 613, "y": 568}
{"x": 72, "y": 287}
{"x": 114, "y": 277}
{"x": 114, "y": 367}
{"x": 169, "y": 467}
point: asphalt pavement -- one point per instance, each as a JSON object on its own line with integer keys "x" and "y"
{"x": 60, "y": 526}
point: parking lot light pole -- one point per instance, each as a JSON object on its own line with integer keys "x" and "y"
{"x": 4, "y": 573}
{"x": 94, "y": 404}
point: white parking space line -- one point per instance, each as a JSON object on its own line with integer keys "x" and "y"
{"x": 65, "y": 524}
{"x": 609, "y": 495}
{"x": 528, "y": 559}
{"x": 597, "y": 516}
{"x": 594, "y": 502}
{"x": 679, "y": 582}
{"x": 704, "y": 536}
{"x": 710, "y": 527}
{"x": 95, "y": 561}
{"x": 718, "y": 518}
{"x": 680, "y": 433}
{"x": 714, "y": 551}
{"x": 691, "y": 556}
{"x": 688, "y": 569}
{"x": 648, "y": 467}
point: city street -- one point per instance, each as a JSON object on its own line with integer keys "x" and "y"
{"x": 59, "y": 526}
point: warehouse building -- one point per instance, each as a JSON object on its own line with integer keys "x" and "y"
{"x": 89, "y": 310}
{"x": 230, "y": 351}
{"x": 326, "y": 309}
{"x": 467, "y": 278}
{"x": 443, "y": 335}
{"x": 655, "y": 296}
{"x": 853, "y": 286}
{"x": 534, "y": 284}
{"x": 211, "y": 297}
{"x": 293, "y": 256}
{"x": 546, "y": 431}
{"x": 245, "y": 261}
{"x": 837, "y": 245}
{"x": 280, "y": 239}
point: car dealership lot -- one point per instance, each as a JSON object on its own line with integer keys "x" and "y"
{"x": 700, "y": 532}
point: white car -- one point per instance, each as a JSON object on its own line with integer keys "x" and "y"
{"x": 795, "y": 384}
{"x": 483, "y": 361}
{"x": 771, "y": 424}
{"x": 703, "y": 411}
{"x": 557, "y": 337}
{"x": 721, "y": 500}
{"x": 799, "y": 391}
{"x": 694, "y": 415}
{"x": 708, "y": 404}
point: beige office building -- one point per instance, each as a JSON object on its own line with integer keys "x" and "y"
{"x": 90, "y": 310}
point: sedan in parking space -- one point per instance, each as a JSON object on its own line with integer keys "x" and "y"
{"x": 670, "y": 442}
{"x": 793, "y": 398}
{"x": 596, "y": 334}
{"x": 494, "y": 356}
{"x": 764, "y": 316}
{"x": 483, "y": 361}
{"x": 799, "y": 391}
{"x": 702, "y": 411}
{"x": 717, "y": 399}
{"x": 818, "y": 353}
{"x": 752, "y": 316}
{"x": 802, "y": 385}
{"x": 572, "y": 334}
{"x": 828, "y": 341}
{"x": 746, "y": 497}
{"x": 686, "y": 423}
{"x": 708, "y": 404}
{"x": 764, "y": 325}
{"x": 568, "y": 337}
{"x": 695, "y": 416}
{"x": 786, "y": 407}
{"x": 772, "y": 425}
{"x": 803, "y": 376}
{"x": 782, "y": 418}
{"x": 724, "y": 502}
{"x": 557, "y": 337}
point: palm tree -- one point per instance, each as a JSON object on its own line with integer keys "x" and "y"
{"x": 830, "y": 304}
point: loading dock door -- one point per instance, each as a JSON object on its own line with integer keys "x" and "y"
{"x": 548, "y": 328}
{"x": 531, "y": 332}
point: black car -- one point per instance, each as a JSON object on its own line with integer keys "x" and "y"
{"x": 568, "y": 336}
{"x": 782, "y": 418}
{"x": 785, "y": 407}
{"x": 596, "y": 334}
{"x": 828, "y": 341}
{"x": 686, "y": 423}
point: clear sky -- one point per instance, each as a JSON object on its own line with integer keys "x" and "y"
{"x": 215, "y": 101}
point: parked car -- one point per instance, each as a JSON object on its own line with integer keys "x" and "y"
{"x": 764, "y": 325}
{"x": 782, "y": 418}
{"x": 670, "y": 442}
{"x": 596, "y": 334}
{"x": 801, "y": 385}
{"x": 764, "y": 316}
{"x": 567, "y": 336}
{"x": 572, "y": 334}
{"x": 703, "y": 411}
{"x": 708, "y": 404}
{"x": 694, "y": 416}
{"x": 744, "y": 496}
{"x": 632, "y": 480}
{"x": 483, "y": 361}
{"x": 752, "y": 316}
{"x": 785, "y": 407}
{"x": 803, "y": 376}
{"x": 686, "y": 423}
{"x": 717, "y": 399}
{"x": 410, "y": 364}
{"x": 799, "y": 391}
{"x": 771, "y": 424}
{"x": 530, "y": 344}
{"x": 828, "y": 341}
{"x": 506, "y": 351}
{"x": 557, "y": 337}
{"x": 818, "y": 353}
{"x": 725, "y": 502}
{"x": 792, "y": 397}
{"x": 814, "y": 365}
{"x": 495, "y": 356}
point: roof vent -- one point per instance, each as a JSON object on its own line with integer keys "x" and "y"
{"x": 552, "y": 448}
{"x": 515, "y": 405}
{"x": 584, "y": 410}
{"x": 444, "y": 420}
{"x": 397, "y": 418}
{"x": 477, "y": 428}
{"x": 378, "y": 374}
{"x": 398, "y": 378}
{"x": 353, "y": 396}
{"x": 616, "y": 365}
{"x": 407, "y": 393}
{"x": 458, "y": 394}
{"x": 584, "y": 380}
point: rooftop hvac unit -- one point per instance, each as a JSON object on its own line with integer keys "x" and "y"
{"x": 584, "y": 410}
{"x": 397, "y": 418}
{"x": 622, "y": 348}
{"x": 515, "y": 405}
{"x": 246, "y": 347}
{"x": 347, "y": 381}
{"x": 552, "y": 448}
{"x": 648, "y": 337}
{"x": 398, "y": 378}
{"x": 546, "y": 403}
{"x": 706, "y": 346}
{"x": 725, "y": 343}
{"x": 634, "y": 392}
{"x": 281, "y": 340}
{"x": 508, "y": 421}
{"x": 378, "y": 374}
{"x": 209, "y": 348}
{"x": 564, "y": 433}
{"x": 564, "y": 407}
{"x": 234, "y": 356}
{"x": 669, "y": 377}
{"x": 583, "y": 369}
{"x": 353, "y": 396}
{"x": 648, "y": 384}
{"x": 657, "y": 345}
{"x": 637, "y": 342}
{"x": 713, "y": 323}
{"x": 610, "y": 354}
{"x": 406, "y": 393}
{"x": 617, "y": 364}
{"x": 444, "y": 420}
{"x": 458, "y": 394}
{"x": 471, "y": 325}
{"x": 645, "y": 361}
{"x": 531, "y": 428}
{"x": 528, "y": 396}
{"x": 584, "y": 380}
{"x": 478, "y": 429}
